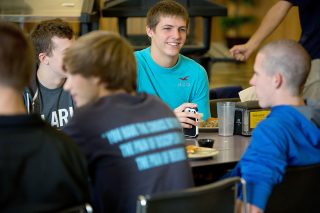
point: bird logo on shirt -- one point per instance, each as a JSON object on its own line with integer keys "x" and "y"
{"x": 184, "y": 78}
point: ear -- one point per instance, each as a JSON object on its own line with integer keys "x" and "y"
{"x": 43, "y": 58}
{"x": 149, "y": 31}
{"x": 277, "y": 80}
{"x": 95, "y": 80}
{"x": 102, "y": 86}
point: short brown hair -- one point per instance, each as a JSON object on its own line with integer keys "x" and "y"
{"x": 43, "y": 33}
{"x": 104, "y": 55}
{"x": 166, "y": 8}
{"x": 16, "y": 57}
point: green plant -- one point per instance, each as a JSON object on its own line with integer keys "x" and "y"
{"x": 235, "y": 22}
{"x": 231, "y": 24}
{"x": 247, "y": 2}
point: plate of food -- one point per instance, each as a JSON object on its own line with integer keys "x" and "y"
{"x": 210, "y": 125}
{"x": 195, "y": 152}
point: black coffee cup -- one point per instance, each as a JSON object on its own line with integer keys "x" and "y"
{"x": 206, "y": 142}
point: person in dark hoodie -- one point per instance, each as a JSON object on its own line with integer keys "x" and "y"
{"x": 290, "y": 135}
{"x": 41, "y": 169}
{"x": 45, "y": 94}
{"x": 133, "y": 142}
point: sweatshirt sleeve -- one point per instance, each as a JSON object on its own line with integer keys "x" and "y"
{"x": 263, "y": 164}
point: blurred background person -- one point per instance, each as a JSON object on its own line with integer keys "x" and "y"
{"x": 41, "y": 169}
{"x": 309, "y": 39}
{"x": 45, "y": 94}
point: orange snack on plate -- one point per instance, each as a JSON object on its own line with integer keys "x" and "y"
{"x": 209, "y": 123}
{"x": 191, "y": 149}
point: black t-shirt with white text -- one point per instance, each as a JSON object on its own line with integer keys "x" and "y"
{"x": 56, "y": 106}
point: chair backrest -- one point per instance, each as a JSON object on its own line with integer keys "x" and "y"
{"x": 215, "y": 197}
{"x": 298, "y": 192}
{"x": 225, "y": 92}
{"x": 213, "y": 105}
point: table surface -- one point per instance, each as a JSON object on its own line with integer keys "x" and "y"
{"x": 31, "y": 10}
{"x": 230, "y": 149}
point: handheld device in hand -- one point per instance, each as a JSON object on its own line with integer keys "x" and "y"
{"x": 194, "y": 131}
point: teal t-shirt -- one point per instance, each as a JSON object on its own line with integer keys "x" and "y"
{"x": 187, "y": 81}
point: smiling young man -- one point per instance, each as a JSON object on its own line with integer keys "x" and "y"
{"x": 162, "y": 71}
{"x": 45, "y": 94}
{"x": 290, "y": 135}
{"x": 132, "y": 141}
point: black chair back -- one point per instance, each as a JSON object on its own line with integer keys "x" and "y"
{"x": 216, "y": 197}
{"x": 298, "y": 192}
{"x": 225, "y": 92}
{"x": 213, "y": 105}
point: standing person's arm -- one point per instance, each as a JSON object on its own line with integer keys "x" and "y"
{"x": 270, "y": 22}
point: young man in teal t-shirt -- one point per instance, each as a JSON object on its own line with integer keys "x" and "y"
{"x": 162, "y": 71}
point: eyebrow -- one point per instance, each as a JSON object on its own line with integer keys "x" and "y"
{"x": 169, "y": 25}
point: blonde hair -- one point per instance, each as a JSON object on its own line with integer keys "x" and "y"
{"x": 104, "y": 55}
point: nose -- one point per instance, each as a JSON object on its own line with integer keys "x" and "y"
{"x": 176, "y": 34}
